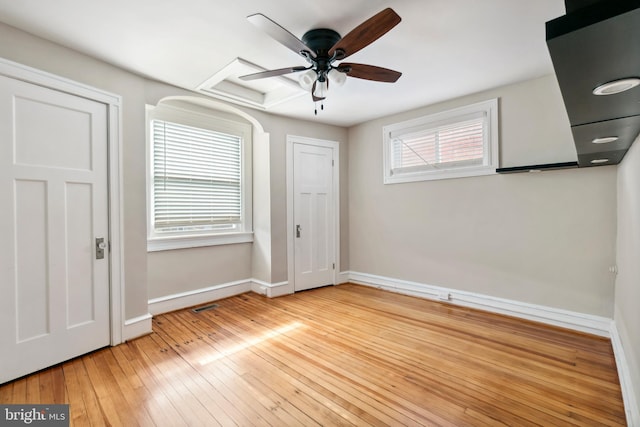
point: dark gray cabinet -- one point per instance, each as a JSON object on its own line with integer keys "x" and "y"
{"x": 593, "y": 44}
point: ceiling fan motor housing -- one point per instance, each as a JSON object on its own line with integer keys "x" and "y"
{"x": 321, "y": 40}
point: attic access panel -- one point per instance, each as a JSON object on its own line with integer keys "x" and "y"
{"x": 225, "y": 84}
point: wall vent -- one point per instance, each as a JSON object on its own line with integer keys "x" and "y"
{"x": 205, "y": 308}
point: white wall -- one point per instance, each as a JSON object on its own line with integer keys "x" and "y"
{"x": 162, "y": 274}
{"x": 279, "y": 128}
{"x": 177, "y": 271}
{"x": 183, "y": 270}
{"x": 627, "y": 293}
{"x": 545, "y": 238}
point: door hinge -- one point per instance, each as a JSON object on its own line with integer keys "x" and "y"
{"x": 332, "y": 164}
{"x": 334, "y": 265}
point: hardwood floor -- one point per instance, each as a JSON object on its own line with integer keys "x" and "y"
{"x": 343, "y": 355}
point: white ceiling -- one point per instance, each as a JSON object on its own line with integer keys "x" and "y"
{"x": 444, "y": 48}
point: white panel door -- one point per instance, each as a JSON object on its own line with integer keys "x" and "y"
{"x": 54, "y": 293}
{"x": 314, "y": 216}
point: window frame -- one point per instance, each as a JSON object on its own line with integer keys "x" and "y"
{"x": 490, "y": 162}
{"x": 215, "y": 121}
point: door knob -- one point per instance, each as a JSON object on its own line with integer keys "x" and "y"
{"x": 100, "y": 247}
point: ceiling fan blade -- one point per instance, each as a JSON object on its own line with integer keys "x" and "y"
{"x": 280, "y": 34}
{"x": 271, "y": 73}
{"x": 370, "y": 72}
{"x": 366, "y": 33}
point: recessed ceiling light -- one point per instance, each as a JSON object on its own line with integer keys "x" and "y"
{"x": 616, "y": 86}
{"x": 599, "y": 161}
{"x": 605, "y": 140}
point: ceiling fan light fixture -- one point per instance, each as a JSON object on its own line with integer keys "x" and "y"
{"x": 337, "y": 78}
{"x": 321, "y": 89}
{"x": 307, "y": 79}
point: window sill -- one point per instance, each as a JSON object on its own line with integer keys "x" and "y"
{"x": 182, "y": 242}
{"x": 440, "y": 174}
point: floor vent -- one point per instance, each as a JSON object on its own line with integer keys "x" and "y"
{"x": 205, "y": 308}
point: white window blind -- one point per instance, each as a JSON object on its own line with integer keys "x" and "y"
{"x": 451, "y": 144}
{"x": 197, "y": 178}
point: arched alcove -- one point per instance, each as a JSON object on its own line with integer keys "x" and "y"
{"x": 260, "y": 251}
{"x": 212, "y": 104}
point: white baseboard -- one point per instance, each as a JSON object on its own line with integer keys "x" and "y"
{"x": 596, "y": 325}
{"x": 343, "y": 277}
{"x": 271, "y": 290}
{"x": 554, "y": 316}
{"x": 199, "y": 296}
{"x": 137, "y": 327}
{"x": 212, "y": 293}
{"x": 628, "y": 393}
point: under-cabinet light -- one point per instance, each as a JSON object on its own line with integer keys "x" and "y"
{"x": 616, "y": 86}
{"x": 605, "y": 140}
{"x": 599, "y": 161}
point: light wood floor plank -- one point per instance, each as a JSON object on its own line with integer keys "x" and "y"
{"x": 74, "y": 390}
{"x": 396, "y": 385}
{"x": 159, "y": 405}
{"x": 184, "y": 386}
{"x": 515, "y": 383}
{"x": 233, "y": 397}
{"x": 346, "y": 378}
{"x": 344, "y": 355}
{"x": 325, "y": 406}
{"x": 94, "y": 412}
{"x": 249, "y": 369}
{"x": 19, "y": 391}
{"x": 241, "y": 344}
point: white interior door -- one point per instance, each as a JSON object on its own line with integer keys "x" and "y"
{"x": 54, "y": 293}
{"x": 314, "y": 216}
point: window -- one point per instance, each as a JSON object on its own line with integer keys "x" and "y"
{"x": 199, "y": 180}
{"x": 452, "y": 144}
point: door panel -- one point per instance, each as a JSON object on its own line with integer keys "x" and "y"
{"x": 314, "y": 216}
{"x": 31, "y": 254}
{"x": 64, "y": 121}
{"x": 80, "y": 297}
{"x": 53, "y": 184}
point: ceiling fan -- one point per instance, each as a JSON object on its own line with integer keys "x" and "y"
{"x": 322, "y": 47}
